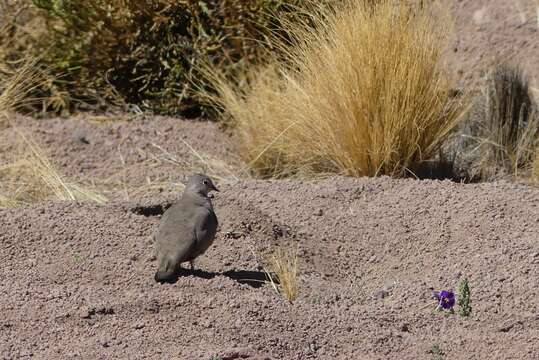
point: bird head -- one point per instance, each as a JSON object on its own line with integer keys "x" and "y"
{"x": 200, "y": 184}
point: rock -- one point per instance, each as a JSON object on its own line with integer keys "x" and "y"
{"x": 381, "y": 294}
{"x": 86, "y": 312}
{"x": 237, "y": 353}
{"x": 152, "y": 306}
{"x": 139, "y": 325}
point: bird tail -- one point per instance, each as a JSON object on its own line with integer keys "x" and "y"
{"x": 166, "y": 274}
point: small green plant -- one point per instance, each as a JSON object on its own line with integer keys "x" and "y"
{"x": 216, "y": 357}
{"x": 464, "y": 301}
{"x": 437, "y": 352}
{"x": 77, "y": 259}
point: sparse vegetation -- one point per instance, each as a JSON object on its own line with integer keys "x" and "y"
{"x": 464, "y": 301}
{"x": 437, "y": 352}
{"x": 284, "y": 263}
{"x": 16, "y": 82}
{"x": 101, "y": 53}
{"x": 535, "y": 167}
{"x": 509, "y": 137}
{"x": 364, "y": 94}
{"x": 32, "y": 177}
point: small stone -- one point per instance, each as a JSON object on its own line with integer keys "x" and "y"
{"x": 508, "y": 326}
{"x": 318, "y": 212}
{"x": 381, "y": 294}
{"x": 152, "y": 306}
{"x": 85, "y": 312}
{"x": 104, "y": 342}
{"x": 139, "y": 325}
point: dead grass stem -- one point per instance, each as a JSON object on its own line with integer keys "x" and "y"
{"x": 535, "y": 167}
{"x": 32, "y": 178}
{"x": 15, "y": 85}
{"x": 509, "y": 137}
{"x": 285, "y": 265}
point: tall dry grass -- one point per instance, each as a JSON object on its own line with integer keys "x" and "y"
{"x": 365, "y": 93}
{"x": 509, "y": 137}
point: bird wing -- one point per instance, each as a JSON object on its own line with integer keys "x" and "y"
{"x": 176, "y": 234}
{"x": 205, "y": 229}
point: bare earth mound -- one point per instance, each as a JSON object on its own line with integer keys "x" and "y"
{"x": 77, "y": 279}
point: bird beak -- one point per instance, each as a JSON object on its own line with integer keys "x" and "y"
{"x": 213, "y": 187}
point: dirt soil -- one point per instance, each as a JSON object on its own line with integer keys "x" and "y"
{"x": 492, "y": 31}
{"x": 76, "y": 279}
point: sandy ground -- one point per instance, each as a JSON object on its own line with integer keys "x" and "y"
{"x": 492, "y": 31}
{"x": 76, "y": 280}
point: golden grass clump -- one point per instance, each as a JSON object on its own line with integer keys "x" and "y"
{"x": 32, "y": 178}
{"x": 285, "y": 265}
{"x": 365, "y": 94}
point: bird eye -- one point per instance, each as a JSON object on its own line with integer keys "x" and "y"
{"x": 205, "y": 182}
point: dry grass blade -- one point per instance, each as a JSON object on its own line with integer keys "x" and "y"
{"x": 285, "y": 265}
{"x": 213, "y": 167}
{"x": 34, "y": 179}
{"x": 15, "y": 86}
{"x": 6, "y": 202}
{"x": 61, "y": 189}
{"x": 535, "y": 167}
{"x": 363, "y": 94}
{"x": 510, "y": 135}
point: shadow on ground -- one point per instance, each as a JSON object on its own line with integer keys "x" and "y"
{"x": 254, "y": 279}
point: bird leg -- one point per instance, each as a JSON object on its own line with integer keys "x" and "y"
{"x": 192, "y": 263}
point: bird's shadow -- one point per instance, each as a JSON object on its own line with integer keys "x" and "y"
{"x": 254, "y": 279}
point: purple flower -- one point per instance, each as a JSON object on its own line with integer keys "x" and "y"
{"x": 446, "y": 299}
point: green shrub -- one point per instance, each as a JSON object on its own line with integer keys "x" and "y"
{"x": 141, "y": 52}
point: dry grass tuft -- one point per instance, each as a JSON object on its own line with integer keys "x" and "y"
{"x": 535, "y": 167}
{"x": 159, "y": 161}
{"x": 32, "y": 178}
{"x": 16, "y": 82}
{"x": 363, "y": 95}
{"x": 509, "y": 137}
{"x": 285, "y": 265}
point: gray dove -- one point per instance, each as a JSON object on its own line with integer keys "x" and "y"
{"x": 187, "y": 228}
